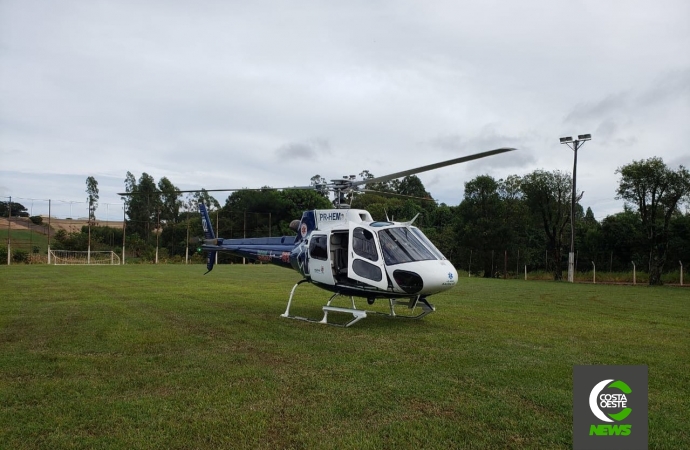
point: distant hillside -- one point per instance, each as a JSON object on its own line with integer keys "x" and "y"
{"x": 69, "y": 225}
{"x": 74, "y": 225}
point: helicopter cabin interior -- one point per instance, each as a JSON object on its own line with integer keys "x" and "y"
{"x": 339, "y": 242}
{"x": 319, "y": 250}
{"x": 334, "y": 249}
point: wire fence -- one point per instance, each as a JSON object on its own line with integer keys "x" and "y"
{"x": 29, "y": 236}
{"x": 604, "y": 266}
{"x": 68, "y": 209}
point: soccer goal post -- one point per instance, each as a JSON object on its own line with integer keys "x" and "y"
{"x": 65, "y": 257}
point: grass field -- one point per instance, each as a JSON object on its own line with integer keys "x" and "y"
{"x": 141, "y": 357}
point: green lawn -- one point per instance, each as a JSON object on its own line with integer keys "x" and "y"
{"x": 143, "y": 356}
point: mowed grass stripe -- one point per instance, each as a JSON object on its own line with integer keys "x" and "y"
{"x": 147, "y": 356}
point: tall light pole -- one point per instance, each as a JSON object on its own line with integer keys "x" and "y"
{"x": 576, "y": 144}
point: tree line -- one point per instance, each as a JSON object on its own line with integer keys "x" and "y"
{"x": 524, "y": 217}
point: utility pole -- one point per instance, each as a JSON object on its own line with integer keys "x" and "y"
{"x": 124, "y": 230}
{"x": 88, "y": 253}
{"x": 9, "y": 231}
{"x": 48, "y": 231}
{"x": 577, "y": 143}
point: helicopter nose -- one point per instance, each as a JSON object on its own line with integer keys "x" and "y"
{"x": 443, "y": 277}
{"x": 424, "y": 277}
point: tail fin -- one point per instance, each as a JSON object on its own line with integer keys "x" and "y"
{"x": 206, "y": 222}
{"x": 208, "y": 234}
{"x": 210, "y": 261}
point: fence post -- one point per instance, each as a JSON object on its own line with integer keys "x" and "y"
{"x": 469, "y": 268}
{"x": 517, "y": 265}
{"x": 505, "y": 265}
{"x": 594, "y": 274}
{"x": 634, "y": 279}
{"x": 525, "y": 272}
{"x": 681, "y": 272}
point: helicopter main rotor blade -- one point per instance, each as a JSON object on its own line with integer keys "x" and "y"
{"x": 224, "y": 190}
{"x": 450, "y": 162}
{"x": 395, "y": 194}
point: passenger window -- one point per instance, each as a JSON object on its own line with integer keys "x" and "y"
{"x": 367, "y": 270}
{"x": 318, "y": 247}
{"x": 364, "y": 244}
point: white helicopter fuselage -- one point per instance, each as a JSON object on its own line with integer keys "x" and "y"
{"x": 345, "y": 250}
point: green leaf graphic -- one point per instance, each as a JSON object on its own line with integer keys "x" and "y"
{"x": 621, "y": 385}
{"x": 621, "y": 415}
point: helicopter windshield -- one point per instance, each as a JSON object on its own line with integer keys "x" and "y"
{"x": 428, "y": 243}
{"x": 401, "y": 245}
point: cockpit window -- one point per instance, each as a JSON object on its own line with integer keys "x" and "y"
{"x": 422, "y": 237}
{"x": 401, "y": 245}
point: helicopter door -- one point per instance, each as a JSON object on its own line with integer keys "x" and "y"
{"x": 319, "y": 262}
{"x": 365, "y": 263}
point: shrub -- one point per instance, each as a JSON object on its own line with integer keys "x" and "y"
{"x": 20, "y": 256}
{"x": 37, "y": 220}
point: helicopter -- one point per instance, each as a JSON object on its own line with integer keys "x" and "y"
{"x": 347, "y": 252}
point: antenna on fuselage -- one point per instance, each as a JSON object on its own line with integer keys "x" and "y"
{"x": 409, "y": 224}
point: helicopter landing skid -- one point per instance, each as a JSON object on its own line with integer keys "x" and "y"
{"x": 427, "y": 308}
{"x": 359, "y": 314}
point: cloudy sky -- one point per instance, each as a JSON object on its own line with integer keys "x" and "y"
{"x": 228, "y": 94}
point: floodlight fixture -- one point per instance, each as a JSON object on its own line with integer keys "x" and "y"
{"x": 565, "y": 140}
{"x": 584, "y": 137}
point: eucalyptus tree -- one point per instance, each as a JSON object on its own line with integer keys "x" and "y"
{"x": 92, "y": 197}
{"x": 623, "y": 239}
{"x": 657, "y": 191}
{"x": 320, "y": 182}
{"x": 142, "y": 204}
{"x": 386, "y": 186}
{"x": 170, "y": 202}
{"x": 482, "y": 226}
{"x": 588, "y": 237}
{"x": 413, "y": 186}
{"x": 548, "y": 196}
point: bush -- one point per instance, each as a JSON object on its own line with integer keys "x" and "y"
{"x": 20, "y": 256}
{"x": 3, "y": 255}
{"x": 37, "y": 220}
